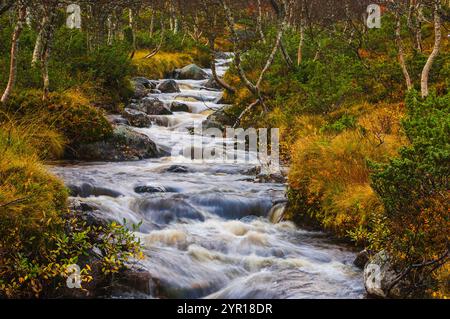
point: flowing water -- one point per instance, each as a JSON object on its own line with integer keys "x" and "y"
{"x": 209, "y": 231}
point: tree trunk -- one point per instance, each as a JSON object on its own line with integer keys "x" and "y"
{"x": 152, "y": 23}
{"x": 286, "y": 56}
{"x": 132, "y": 28}
{"x": 37, "y": 52}
{"x": 175, "y": 24}
{"x": 419, "y": 37}
{"x": 48, "y": 39}
{"x": 14, "y": 53}
{"x": 401, "y": 55}
{"x": 275, "y": 48}
{"x": 300, "y": 45}
{"x": 415, "y": 19}
{"x": 237, "y": 58}
{"x": 436, "y": 48}
{"x": 45, "y": 76}
{"x": 218, "y": 80}
{"x": 259, "y": 23}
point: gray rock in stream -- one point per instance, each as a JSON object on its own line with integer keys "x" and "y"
{"x": 362, "y": 258}
{"x": 135, "y": 281}
{"x": 168, "y": 86}
{"x": 179, "y": 107}
{"x": 276, "y": 178}
{"x": 150, "y": 106}
{"x": 150, "y": 189}
{"x": 177, "y": 169}
{"x": 87, "y": 190}
{"x": 142, "y": 87}
{"x": 192, "y": 72}
{"x": 212, "y": 84}
{"x": 137, "y": 118}
{"x": 124, "y": 145}
{"x": 220, "y": 119}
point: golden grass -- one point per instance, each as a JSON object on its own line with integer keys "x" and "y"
{"x": 333, "y": 169}
{"x": 159, "y": 65}
{"x": 31, "y": 135}
{"x": 27, "y": 190}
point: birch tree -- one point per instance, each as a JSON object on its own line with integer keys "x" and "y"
{"x": 255, "y": 88}
{"x": 436, "y": 47}
{"x": 21, "y": 8}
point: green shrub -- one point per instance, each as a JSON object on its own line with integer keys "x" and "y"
{"x": 414, "y": 188}
{"x": 345, "y": 122}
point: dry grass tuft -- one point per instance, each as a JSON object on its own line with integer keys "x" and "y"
{"x": 330, "y": 175}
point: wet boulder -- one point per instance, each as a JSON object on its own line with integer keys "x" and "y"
{"x": 150, "y": 106}
{"x": 87, "y": 190}
{"x": 137, "y": 118}
{"x": 179, "y": 107}
{"x": 275, "y": 178}
{"x": 255, "y": 170}
{"x": 145, "y": 189}
{"x": 278, "y": 213}
{"x": 192, "y": 72}
{"x": 361, "y": 259}
{"x": 220, "y": 119}
{"x": 177, "y": 169}
{"x": 168, "y": 86}
{"x": 212, "y": 84}
{"x": 124, "y": 145}
{"x": 160, "y": 120}
{"x": 153, "y": 106}
{"x": 141, "y": 86}
{"x": 135, "y": 281}
{"x": 117, "y": 120}
{"x": 91, "y": 213}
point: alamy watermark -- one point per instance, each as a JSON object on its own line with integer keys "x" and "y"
{"x": 373, "y": 16}
{"x": 74, "y": 16}
{"x": 74, "y": 278}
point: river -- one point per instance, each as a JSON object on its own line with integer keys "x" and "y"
{"x": 207, "y": 231}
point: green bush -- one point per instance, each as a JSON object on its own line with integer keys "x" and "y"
{"x": 414, "y": 188}
{"x": 345, "y": 122}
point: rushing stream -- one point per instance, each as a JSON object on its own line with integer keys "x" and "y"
{"x": 207, "y": 231}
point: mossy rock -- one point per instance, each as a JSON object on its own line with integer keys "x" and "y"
{"x": 124, "y": 145}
